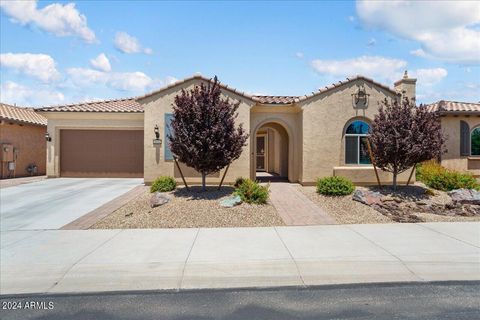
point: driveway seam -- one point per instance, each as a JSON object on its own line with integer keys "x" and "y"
{"x": 390, "y": 253}
{"x": 291, "y": 256}
{"x": 186, "y": 260}
{"x": 79, "y": 260}
{"x": 447, "y": 235}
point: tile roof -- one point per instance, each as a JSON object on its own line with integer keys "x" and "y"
{"x": 446, "y": 107}
{"x": 134, "y": 105}
{"x": 128, "y": 105}
{"x": 25, "y": 115}
{"x": 275, "y": 99}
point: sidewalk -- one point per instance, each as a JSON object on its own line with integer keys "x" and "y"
{"x": 113, "y": 260}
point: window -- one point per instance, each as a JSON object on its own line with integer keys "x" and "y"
{"x": 475, "y": 142}
{"x": 168, "y": 152}
{"x": 356, "y": 150}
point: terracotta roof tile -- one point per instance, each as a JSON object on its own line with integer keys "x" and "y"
{"x": 443, "y": 106}
{"x": 129, "y": 105}
{"x": 275, "y": 99}
{"x": 26, "y": 115}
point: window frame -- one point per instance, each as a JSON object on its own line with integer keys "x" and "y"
{"x": 358, "y": 136}
{"x": 471, "y": 141}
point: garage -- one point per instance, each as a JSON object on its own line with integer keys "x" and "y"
{"x": 101, "y": 153}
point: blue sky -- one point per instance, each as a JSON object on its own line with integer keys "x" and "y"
{"x": 56, "y": 52}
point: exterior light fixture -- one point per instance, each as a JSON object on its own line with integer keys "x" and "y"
{"x": 157, "y": 140}
{"x": 47, "y": 137}
{"x": 360, "y": 99}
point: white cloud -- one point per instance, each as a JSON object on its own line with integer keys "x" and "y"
{"x": 59, "y": 19}
{"x": 299, "y": 55}
{"x": 428, "y": 77}
{"x": 370, "y": 66}
{"x": 129, "y": 44}
{"x": 137, "y": 82}
{"x": 14, "y": 93}
{"x": 40, "y": 66}
{"x": 446, "y": 30}
{"x": 101, "y": 63}
{"x": 418, "y": 53}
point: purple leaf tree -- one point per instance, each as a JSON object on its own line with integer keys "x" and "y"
{"x": 204, "y": 134}
{"x": 403, "y": 135}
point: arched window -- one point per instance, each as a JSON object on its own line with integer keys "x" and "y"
{"x": 475, "y": 142}
{"x": 356, "y": 151}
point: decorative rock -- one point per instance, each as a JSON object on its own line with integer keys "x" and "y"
{"x": 231, "y": 201}
{"x": 367, "y": 197}
{"x": 158, "y": 199}
{"x": 465, "y": 196}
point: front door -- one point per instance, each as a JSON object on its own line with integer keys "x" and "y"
{"x": 261, "y": 152}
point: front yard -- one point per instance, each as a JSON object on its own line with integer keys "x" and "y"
{"x": 190, "y": 209}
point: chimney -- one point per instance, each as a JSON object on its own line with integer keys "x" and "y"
{"x": 406, "y": 87}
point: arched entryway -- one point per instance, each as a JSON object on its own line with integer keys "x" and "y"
{"x": 271, "y": 152}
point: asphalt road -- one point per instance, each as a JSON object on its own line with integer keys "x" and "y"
{"x": 447, "y": 300}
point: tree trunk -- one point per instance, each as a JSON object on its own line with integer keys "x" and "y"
{"x": 395, "y": 180}
{"x": 204, "y": 181}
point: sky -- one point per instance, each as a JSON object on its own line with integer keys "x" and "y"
{"x": 60, "y": 52}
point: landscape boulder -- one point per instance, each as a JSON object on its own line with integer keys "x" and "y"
{"x": 159, "y": 199}
{"x": 231, "y": 201}
{"x": 465, "y": 196}
{"x": 367, "y": 197}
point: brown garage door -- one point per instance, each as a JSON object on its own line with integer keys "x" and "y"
{"x": 101, "y": 153}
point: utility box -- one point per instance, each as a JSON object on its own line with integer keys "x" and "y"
{"x": 7, "y": 153}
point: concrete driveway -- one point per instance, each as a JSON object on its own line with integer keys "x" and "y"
{"x": 52, "y": 203}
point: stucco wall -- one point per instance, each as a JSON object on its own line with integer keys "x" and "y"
{"x": 155, "y": 165}
{"x": 83, "y": 120}
{"x": 452, "y": 159}
{"x": 324, "y": 119}
{"x": 29, "y": 140}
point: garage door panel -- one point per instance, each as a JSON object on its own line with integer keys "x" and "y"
{"x": 101, "y": 153}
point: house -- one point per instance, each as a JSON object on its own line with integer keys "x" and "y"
{"x": 300, "y": 138}
{"x": 461, "y": 125}
{"x": 22, "y": 139}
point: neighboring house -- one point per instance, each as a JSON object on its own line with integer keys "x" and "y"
{"x": 22, "y": 140}
{"x": 297, "y": 137}
{"x": 461, "y": 125}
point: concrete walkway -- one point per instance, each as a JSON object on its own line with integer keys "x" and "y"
{"x": 295, "y": 208}
{"x": 112, "y": 260}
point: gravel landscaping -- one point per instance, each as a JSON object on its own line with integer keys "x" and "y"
{"x": 190, "y": 209}
{"x": 344, "y": 209}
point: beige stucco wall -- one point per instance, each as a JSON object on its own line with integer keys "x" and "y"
{"x": 452, "y": 158}
{"x": 325, "y": 117}
{"x": 83, "y": 120}
{"x": 155, "y": 165}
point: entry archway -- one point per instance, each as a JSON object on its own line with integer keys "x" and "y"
{"x": 272, "y": 151}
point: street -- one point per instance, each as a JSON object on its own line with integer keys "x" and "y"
{"x": 445, "y": 300}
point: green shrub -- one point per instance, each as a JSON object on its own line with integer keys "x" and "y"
{"x": 238, "y": 182}
{"x": 163, "y": 184}
{"x": 440, "y": 178}
{"x": 335, "y": 186}
{"x": 252, "y": 192}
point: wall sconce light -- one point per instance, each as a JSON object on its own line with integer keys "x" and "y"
{"x": 360, "y": 99}
{"x": 157, "y": 140}
{"x": 47, "y": 137}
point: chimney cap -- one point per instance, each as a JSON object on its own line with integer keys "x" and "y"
{"x": 405, "y": 75}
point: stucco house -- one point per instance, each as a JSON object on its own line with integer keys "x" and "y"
{"x": 22, "y": 142}
{"x": 461, "y": 125}
{"x": 300, "y": 138}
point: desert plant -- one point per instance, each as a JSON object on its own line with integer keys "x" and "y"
{"x": 403, "y": 135}
{"x": 440, "y": 178}
{"x": 238, "y": 182}
{"x": 335, "y": 186}
{"x": 204, "y": 135}
{"x": 163, "y": 184}
{"x": 252, "y": 192}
